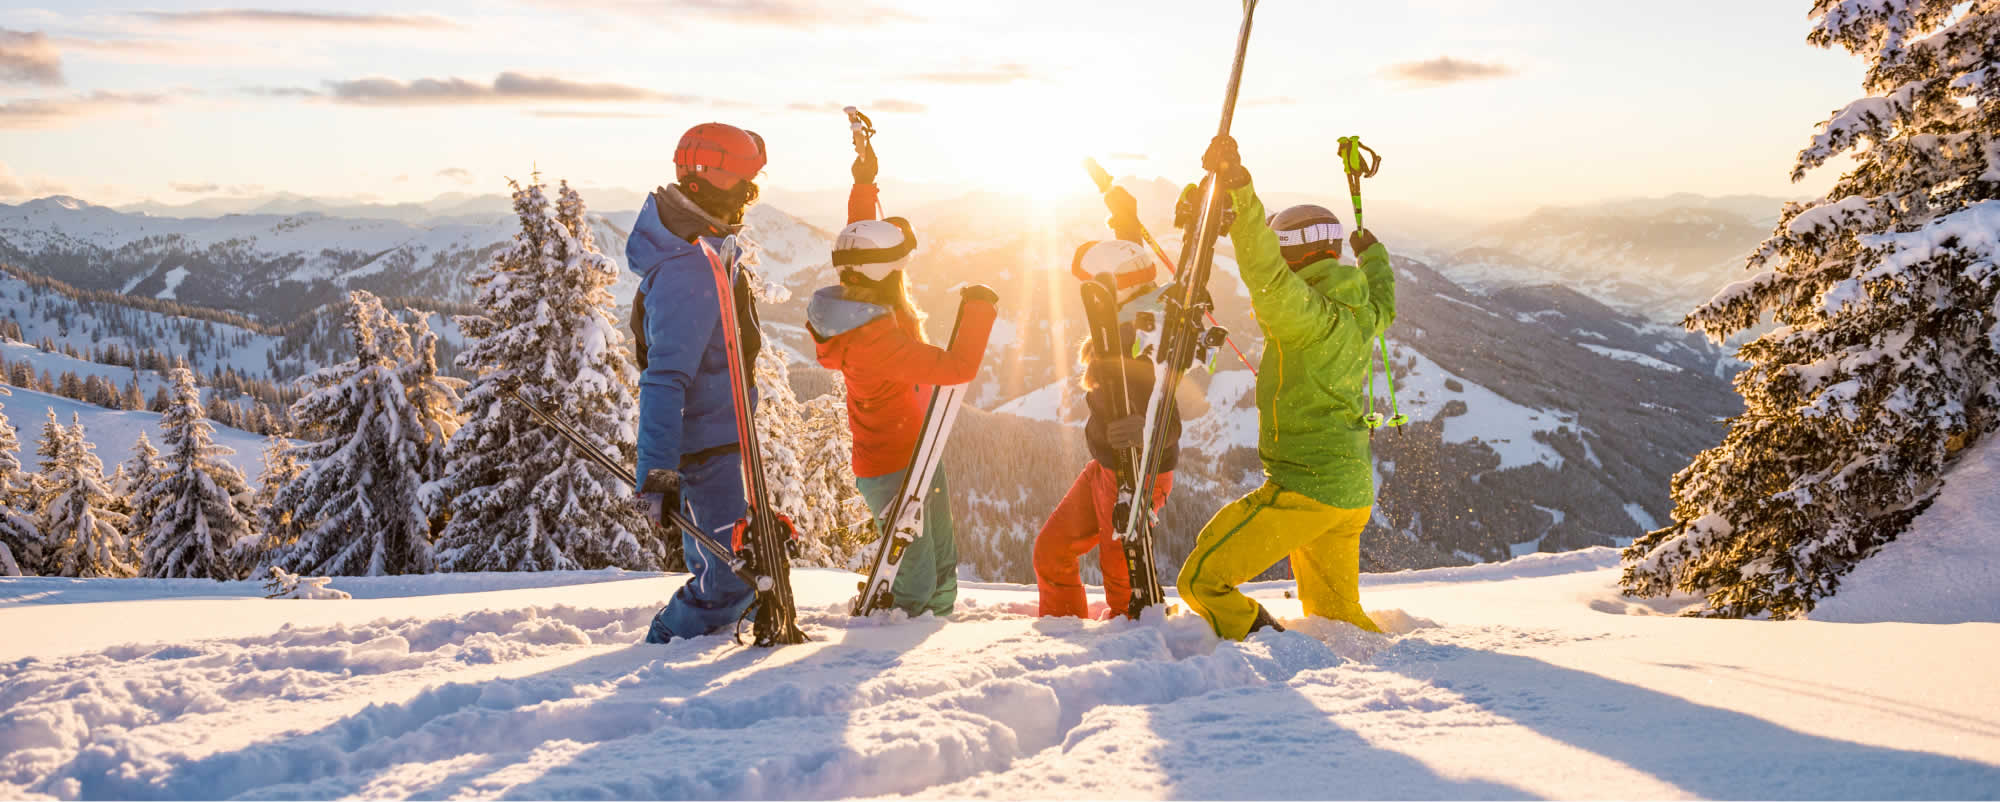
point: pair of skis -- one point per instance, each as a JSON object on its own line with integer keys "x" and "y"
{"x": 1173, "y": 340}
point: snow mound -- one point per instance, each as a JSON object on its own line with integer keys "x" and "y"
{"x": 1946, "y": 568}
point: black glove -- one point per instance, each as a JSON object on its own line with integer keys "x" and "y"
{"x": 660, "y": 493}
{"x": 1126, "y": 433}
{"x": 864, "y": 165}
{"x": 979, "y": 292}
{"x": 1189, "y": 205}
{"x": 1223, "y": 160}
{"x": 1362, "y": 241}
{"x": 1124, "y": 220}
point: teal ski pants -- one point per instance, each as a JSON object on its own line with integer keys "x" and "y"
{"x": 927, "y": 579}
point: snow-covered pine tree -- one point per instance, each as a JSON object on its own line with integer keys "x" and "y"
{"x": 82, "y": 536}
{"x": 194, "y": 518}
{"x": 807, "y": 463}
{"x": 1886, "y": 359}
{"x": 433, "y": 395}
{"x": 132, "y": 483}
{"x": 518, "y": 497}
{"x": 358, "y": 500}
{"x": 276, "y": 528}
{"x": 20, "y": 540}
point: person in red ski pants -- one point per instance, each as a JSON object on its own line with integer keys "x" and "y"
{"x": 1084, "y": 519}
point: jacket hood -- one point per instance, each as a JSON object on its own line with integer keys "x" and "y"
{"x": 667, "y": 225}
{"x": 831, "y": 314}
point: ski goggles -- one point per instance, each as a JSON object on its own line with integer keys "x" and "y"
{"x": 1312, "y": 234}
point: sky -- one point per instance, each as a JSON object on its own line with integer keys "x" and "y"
{"x": 1481, "y": 108}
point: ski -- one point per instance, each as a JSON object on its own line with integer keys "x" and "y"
{"x": 596, "y": 455}
{"x": 766, "y": 536}
{"x": 1100, "y": 310}
{"x": 903, "y": 519}
{"x": 1174, "y": 340}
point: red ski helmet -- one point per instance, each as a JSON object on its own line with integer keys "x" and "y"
{"x": 719, "y": 148}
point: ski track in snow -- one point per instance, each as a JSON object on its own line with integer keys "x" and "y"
{"x": 561, "y": 701}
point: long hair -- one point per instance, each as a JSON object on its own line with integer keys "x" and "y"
{"x": 892, "y": 291}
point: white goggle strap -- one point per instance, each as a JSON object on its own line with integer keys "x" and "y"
{"x": 1317, "y": 232}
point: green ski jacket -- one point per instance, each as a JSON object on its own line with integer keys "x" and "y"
{"x": 1319, "y": 325}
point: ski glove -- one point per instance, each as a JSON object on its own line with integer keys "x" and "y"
{"x": 661, "y": 492}
{"x": 1124, "y": 220}
{"x": 1227, "y": 165}
{"x": 865, "y": 167}
{"x": 1189, "y": 205}
{"x": 1363, "y": 240}
{"x": 1127, "y": 432}
{"x": 979, "y": 292}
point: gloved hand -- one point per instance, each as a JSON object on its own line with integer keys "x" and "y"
{"x": 1223, "y": 160}
{"x": 979, "y": 292}
{"x": 1126, "y": 432}
{"x": 865, "y": 166}
{"x": 1362, "y": 240}
{"x": 1189, "y": 205}
{"x": 1124, "y": 220}
{"x": 661, "y": 492}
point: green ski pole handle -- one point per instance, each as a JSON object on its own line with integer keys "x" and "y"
{"x": 1358, "y": 161}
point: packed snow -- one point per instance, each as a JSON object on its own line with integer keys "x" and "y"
{"x": 1526, "y": 678}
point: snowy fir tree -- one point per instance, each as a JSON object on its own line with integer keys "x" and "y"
{"x": 276, "y": 528}
{"x": 132, "y": 484}
{"x": 433, "y": 395}
{"x": 358, "y": 500}
{"x": 517, "y": 496}
{"x": 82, "y": 536}
{"x": 194, "y": 518}
{"x": 808, "y": 463}
{"x": 1887, "y": 354}
{"x": 20, "y": 541}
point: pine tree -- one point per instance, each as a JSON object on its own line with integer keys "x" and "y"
{"x": 358, "y": 500}
{"x": 194, "y": 519}
{"x": 20, "y": 540}
{"x": 276, "y": 527}
{"x": 130, "y": 486}
{"x": 808, "y": 465}
{"x": 1884, "y": 364}
{"x": 433, "y": 395}
{"x": 82, "y": 536}
{"x": 518, "y": 497}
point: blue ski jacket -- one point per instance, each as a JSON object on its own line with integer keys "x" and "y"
{"x": 686, "y": 406}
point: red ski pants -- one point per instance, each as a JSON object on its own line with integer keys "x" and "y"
{"x": 1081, "y": 522}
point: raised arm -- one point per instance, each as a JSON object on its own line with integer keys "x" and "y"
{"x": 906, "y": 359}
{"x": 1285, "y": 304}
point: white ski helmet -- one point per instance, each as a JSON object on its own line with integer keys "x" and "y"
{"x": 874, "y": 248}
{"x": 1129, "y": 263}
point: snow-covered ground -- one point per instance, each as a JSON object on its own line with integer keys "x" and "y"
{"x": 1531, "y": 678}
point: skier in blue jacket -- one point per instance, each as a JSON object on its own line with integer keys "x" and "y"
{"x": 688, "y": 453}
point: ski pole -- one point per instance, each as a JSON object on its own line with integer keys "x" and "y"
{"x": 1357, "y": 166}
{"x": 1102, "y": 178}
{"x": 602, "y": 460}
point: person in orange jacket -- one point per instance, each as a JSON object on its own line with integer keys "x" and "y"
{"x": 869, "y": 328}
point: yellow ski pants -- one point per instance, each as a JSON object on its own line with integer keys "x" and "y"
{"x": 1251, "y": 534}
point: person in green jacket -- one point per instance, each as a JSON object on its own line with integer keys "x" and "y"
{"x": 1319, "y": 318}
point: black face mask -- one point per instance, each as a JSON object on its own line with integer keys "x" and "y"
{"x": 727, "y": 205}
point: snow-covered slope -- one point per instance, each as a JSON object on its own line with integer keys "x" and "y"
{"x": 1946, "y": 568}
{"x": 113, "y": 431}
{"x": 1528, "y": 679}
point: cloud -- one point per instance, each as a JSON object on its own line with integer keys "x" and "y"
{"x": 14, "y": 186}
{"x": 47, "y": 112}
{"x": 10, "y": 186}
{"x": 1278, "y": 100}
{"x": 28, "y": 57}
{"x": 1128, "y": 157}
{"x": 260, "y": 16}
{"x": 569, "y": 114}
{"x": 281, "y": 91}
{"x": 459, "y": 174}
{"x": 899, "y": 106}
{"x": 794, "y": 14}
{"x": 194, "y": 188}
{"x": 1002, "y": 74}
{"x": 1445, "y": 70}
{"x": 510, "y": 87}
